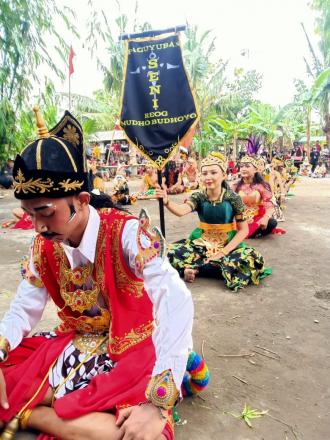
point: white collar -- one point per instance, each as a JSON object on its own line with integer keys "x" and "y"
{"x": 87, "y": 246}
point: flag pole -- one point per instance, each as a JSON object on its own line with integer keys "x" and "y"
{"x": 71, "y": 70}
{"x": 161, "y": 205}
{"x": 111, "y": 142}
{"x": 69, "y": 89}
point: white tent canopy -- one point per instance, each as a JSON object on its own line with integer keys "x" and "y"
{"x": 105, "y": 137}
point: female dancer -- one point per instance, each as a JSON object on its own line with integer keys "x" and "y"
{"x": 274, "y": 179}
{"x": 257, "y": 197}
{"x": 216, "y": 247}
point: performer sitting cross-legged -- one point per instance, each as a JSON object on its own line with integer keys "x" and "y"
{"x": 216, "y": 248}
{"x": 257, "y": 197}
{"x": 113, "y": 366}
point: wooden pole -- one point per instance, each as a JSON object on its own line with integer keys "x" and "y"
{"x": 110, "y": 146}
{"x": 161, "y": 205}
{"x": 69, "y": 90}
{"x": 152, "y": 33}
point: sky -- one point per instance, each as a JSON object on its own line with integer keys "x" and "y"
{"x": 267, "y": 32}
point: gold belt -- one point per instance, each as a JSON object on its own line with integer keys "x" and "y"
{"x": 226, "y": 227}
{"x": 251, "y": 211}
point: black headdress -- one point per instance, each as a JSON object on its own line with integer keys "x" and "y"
{"x": 54, "y": 165}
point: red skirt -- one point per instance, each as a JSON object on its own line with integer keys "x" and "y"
{"x": 253, "y": 223}
{"x": 26, "y": 374}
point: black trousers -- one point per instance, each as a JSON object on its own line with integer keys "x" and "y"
{"x": 272, "y": 223}
{"x": 313, "y": 166}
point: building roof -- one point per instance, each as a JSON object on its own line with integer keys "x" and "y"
{"x": 108, "y": 136}
{"x": 313, "y": 139}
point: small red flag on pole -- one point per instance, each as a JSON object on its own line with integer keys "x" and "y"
{"x": 72, "y": 54}
{"x": 117, "y": 124}
{"x": 71, "y": 70}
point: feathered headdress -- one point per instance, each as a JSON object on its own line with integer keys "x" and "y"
{"x": 253, "y": 145}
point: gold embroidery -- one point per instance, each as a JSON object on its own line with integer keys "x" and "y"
{"x": 42, "y": 186}
{"x": 38, "y": 256}
{"x": 70, "y": 134}
{"x": 31, "y": 185}
{"x": 161, "y": 390}
{"x": 79, "y": 275}
{"x": 225, "y": 227}
{"x": 85, "y": 324}
{"x": 67, "y": 185}
{"x": 77, "y": 299}
{"x": 38, "y": 154}
{"x": 249, "y": 160}
{"x": 213, "y": 240}
{"x": 88, "y": 342}
{"x": 124, "y": 282}
{"x": 99, "y": 260}
{"x": 251, "y": 212}
{"x": 160, "y": 161}
{"x": 28, "y": 275}
{"x": 119, "y": 344}
{"x": 81, "y": 300}
{"x": 241, "y": 217}
{"x": 67, "y": 278}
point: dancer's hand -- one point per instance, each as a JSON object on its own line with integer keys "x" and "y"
{"x": 216, "y": 257}
{"x": 3, "y": 393}
{"x": 161, "y": 193}
{"x": 141, "y": 422}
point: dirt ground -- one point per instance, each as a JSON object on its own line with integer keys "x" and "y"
{"x": 287, "y": 315}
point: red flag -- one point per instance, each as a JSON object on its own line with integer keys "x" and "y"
{"x": 72, "y": 54}
{"x": 188, "y": 138}
{"x": 117, "y": 124}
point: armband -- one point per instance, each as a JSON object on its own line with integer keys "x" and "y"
{"x": 161, "y": 390}
{"x": 4, "y": 349}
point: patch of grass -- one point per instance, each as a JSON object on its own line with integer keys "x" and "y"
{"x": 248, "y": 414}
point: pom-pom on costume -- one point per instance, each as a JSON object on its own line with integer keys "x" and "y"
{"x": 196, "y": 377}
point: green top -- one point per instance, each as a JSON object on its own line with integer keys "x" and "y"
{"x": 228, "y": 207}
{"x": 222, "y": 211}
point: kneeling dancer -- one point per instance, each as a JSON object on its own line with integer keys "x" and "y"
{"x": 216, "y": 247}
{"x": 257, "y": 197}
{"x": 113, "y": 367}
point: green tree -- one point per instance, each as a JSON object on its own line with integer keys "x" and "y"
{"x": 207, "y": 76}
{"x": 226, "y": 120}
{"x": 24, "y": 30}
{"x": 319, "y": 69}
{"x": 98, "y": 113}
{"x": 100, "y": 27}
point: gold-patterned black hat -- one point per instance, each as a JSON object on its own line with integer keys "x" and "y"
{"x": 54, "y": 165}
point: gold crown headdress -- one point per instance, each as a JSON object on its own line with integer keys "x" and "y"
{"x": 260, "y": 162}
{"x": 215, "y": 158}
{"x": 249, "y": 160}
{"x": 276, "y": 162}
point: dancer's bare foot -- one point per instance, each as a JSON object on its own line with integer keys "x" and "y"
{"x": 189, "y": 275}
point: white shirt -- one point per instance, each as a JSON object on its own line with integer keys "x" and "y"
{"x": 173, "y": 307}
